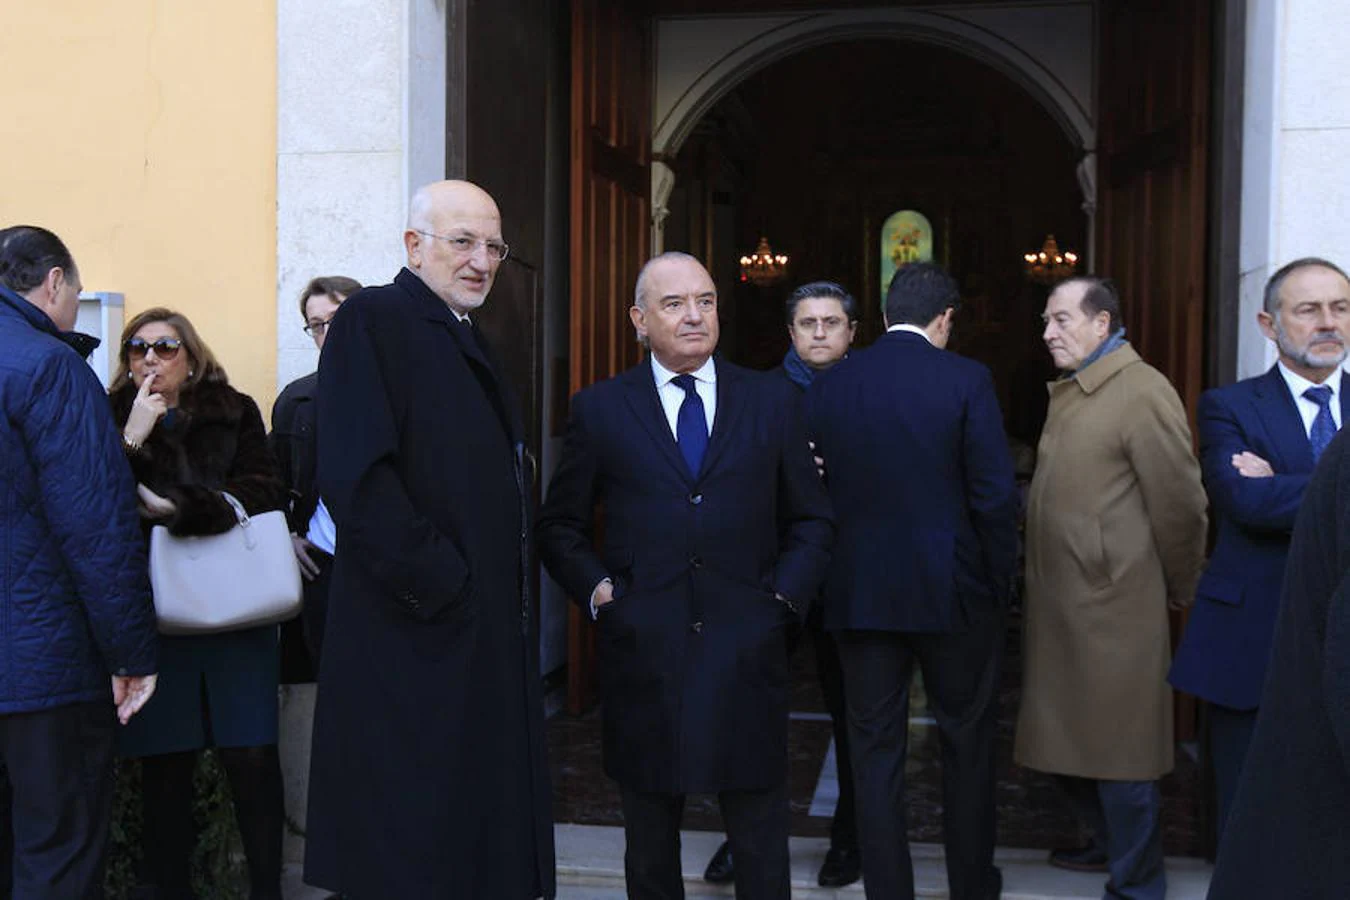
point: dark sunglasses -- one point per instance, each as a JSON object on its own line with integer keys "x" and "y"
{"x": 165, "y": 348}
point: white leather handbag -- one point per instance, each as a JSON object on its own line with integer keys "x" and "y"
{"x": 243, "y": 578}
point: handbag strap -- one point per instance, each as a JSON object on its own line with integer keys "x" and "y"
{"x": 241, "y": 515}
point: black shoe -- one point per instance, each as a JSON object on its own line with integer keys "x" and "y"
{"x": 842, "y": 867}
{"x": 1079, "y": 859}
{"x": 720, "y": 869}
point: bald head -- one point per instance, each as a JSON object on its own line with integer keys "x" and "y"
{"x": 454, "y": 242}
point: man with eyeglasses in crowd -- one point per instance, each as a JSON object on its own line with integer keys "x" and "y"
{"x": 822, "y": 320}
{"x": 294, "y": 441}
{"x": 428, "y": 774}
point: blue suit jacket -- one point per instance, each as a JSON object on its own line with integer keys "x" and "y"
{"x": 692, "y": 650}
{"x": 922, "y": 484}
{"x": 1224, "y": 652}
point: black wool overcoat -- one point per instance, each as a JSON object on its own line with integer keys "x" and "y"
{"x": 428, "y": 775}
{"x": 1289, "y": 833}
{"x": 692, "y": 651}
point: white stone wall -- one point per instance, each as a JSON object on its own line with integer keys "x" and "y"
{"x": 360, "y": 123}
{"x": 1296, "y": 150}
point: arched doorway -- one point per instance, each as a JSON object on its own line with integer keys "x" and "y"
{"x": 818, "y": 149}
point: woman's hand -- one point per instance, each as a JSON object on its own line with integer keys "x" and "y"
{"x": 146, "y": 411}
{"x": 153, "y": 506}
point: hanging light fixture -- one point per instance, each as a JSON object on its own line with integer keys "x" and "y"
{"x": 763, "y": 267}
{"x": 1050, "y": 265}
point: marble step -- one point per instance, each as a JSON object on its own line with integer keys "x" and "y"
{"x": 590, "y": 867}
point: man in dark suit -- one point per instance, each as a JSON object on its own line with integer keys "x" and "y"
{"x": 822, "y": 320}
{"x": 1259, "y": 441}
{"x": 428, "y": 776}
{"x": 922, "y": 484}
{"x": 293, "y": 442}
{"x": 1288, "y": 835}
{"x": 696, "y": 463}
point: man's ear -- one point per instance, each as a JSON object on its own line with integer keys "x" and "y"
{"x": 412, "y": 243}
{"x": 56, "y": 277}
{"x": 1267, "y": 324}
{"x": 638, "y": 317}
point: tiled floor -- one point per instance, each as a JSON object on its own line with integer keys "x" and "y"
{"x": 1031, "y": 814}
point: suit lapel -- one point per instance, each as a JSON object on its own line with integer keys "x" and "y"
{"x": 1279, "y": 413}
{"x": 1345, "y": 403}
{"x": 730, "y": 399}
{"x": 434, "y": 310}
{"x": 640, "y": 391}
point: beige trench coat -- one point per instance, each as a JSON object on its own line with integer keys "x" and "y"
{"x": 1115, "y": 527}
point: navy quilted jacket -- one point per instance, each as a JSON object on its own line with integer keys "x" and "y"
{"x": 74, "y": 588}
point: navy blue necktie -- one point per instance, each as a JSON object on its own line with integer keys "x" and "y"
{"x": 691, "y": 425}
{"x": 1323, "y": 426}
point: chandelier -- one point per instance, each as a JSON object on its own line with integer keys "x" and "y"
{"x": 1050, "y": 266}
{"x": 763, "y": 267}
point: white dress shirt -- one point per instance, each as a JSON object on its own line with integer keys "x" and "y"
{"x": 913, "y": 329}
{"x": 322, "y": 530}
{"x": 672, "y": 395}
{"x": 1306, "y": 408}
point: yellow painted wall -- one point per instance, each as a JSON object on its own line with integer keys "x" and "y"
{"x": 144, "y": 133}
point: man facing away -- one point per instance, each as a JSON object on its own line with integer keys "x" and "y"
{"x": 77, "y": 629}
{"x": 822, "y": 320}
{"x": 696, "y": 463}
{"x": 428, "y": 776}
{"x": 923, "y": 490}
{"x": 1259, "y": 441}
{"x": 1115, "y": 535}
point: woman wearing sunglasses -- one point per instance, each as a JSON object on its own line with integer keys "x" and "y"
{"x": 189, "y": 436}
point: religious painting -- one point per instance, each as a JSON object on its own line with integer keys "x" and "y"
{"x": 906, "y": 237}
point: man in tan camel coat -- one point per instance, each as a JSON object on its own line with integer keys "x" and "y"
{"x": 1115, "y": 535}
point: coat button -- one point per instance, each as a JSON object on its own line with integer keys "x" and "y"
{"x": 696, "y": 628}
{"x": 696, "y": 499}
{"x": 696, "y": 562}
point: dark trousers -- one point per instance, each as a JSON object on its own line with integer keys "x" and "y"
{"x": 960, "y": 673}
{"x": 1125, "y": 818}
{"x": 59, "y": 764}
{"x": 1230, "y": 734}
{"x": 844, "y": 828}
{"x": 169, "y": 827}
{"x": 302, "y": 637}
{"x": 757, "y": 827}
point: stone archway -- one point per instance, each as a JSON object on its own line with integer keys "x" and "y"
{"x": 1047, "y": 51}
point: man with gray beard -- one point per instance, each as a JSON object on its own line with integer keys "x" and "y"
{"x": 1259, "y": 441}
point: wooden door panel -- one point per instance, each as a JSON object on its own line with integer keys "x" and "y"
{"x": 1152, "y": 220}
{"x": 610, "y": 157}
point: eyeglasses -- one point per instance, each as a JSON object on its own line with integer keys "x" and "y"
{"x": 165, "y": 348}
{"x": 496, "y": 250}
{"x": 831, "y": 323}
{"x": 316, "y": 329}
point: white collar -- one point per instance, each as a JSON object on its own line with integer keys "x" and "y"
{"x": 706, "y": 373}
{"x": 913, "y": 329}
{"x": 1298, "y": 384}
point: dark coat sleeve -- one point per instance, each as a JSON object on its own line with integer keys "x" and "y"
{"x": 804, "y": 510}
{"x": 359, "y": 476}
{"x": 991, "y": 486}
{"x": 251, "y": 479}
{"x": 280, "y": 440}
{"x": 1268, "y": 504}
{"x": 564, "y": 534}
{"x": 89, "y": 499}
